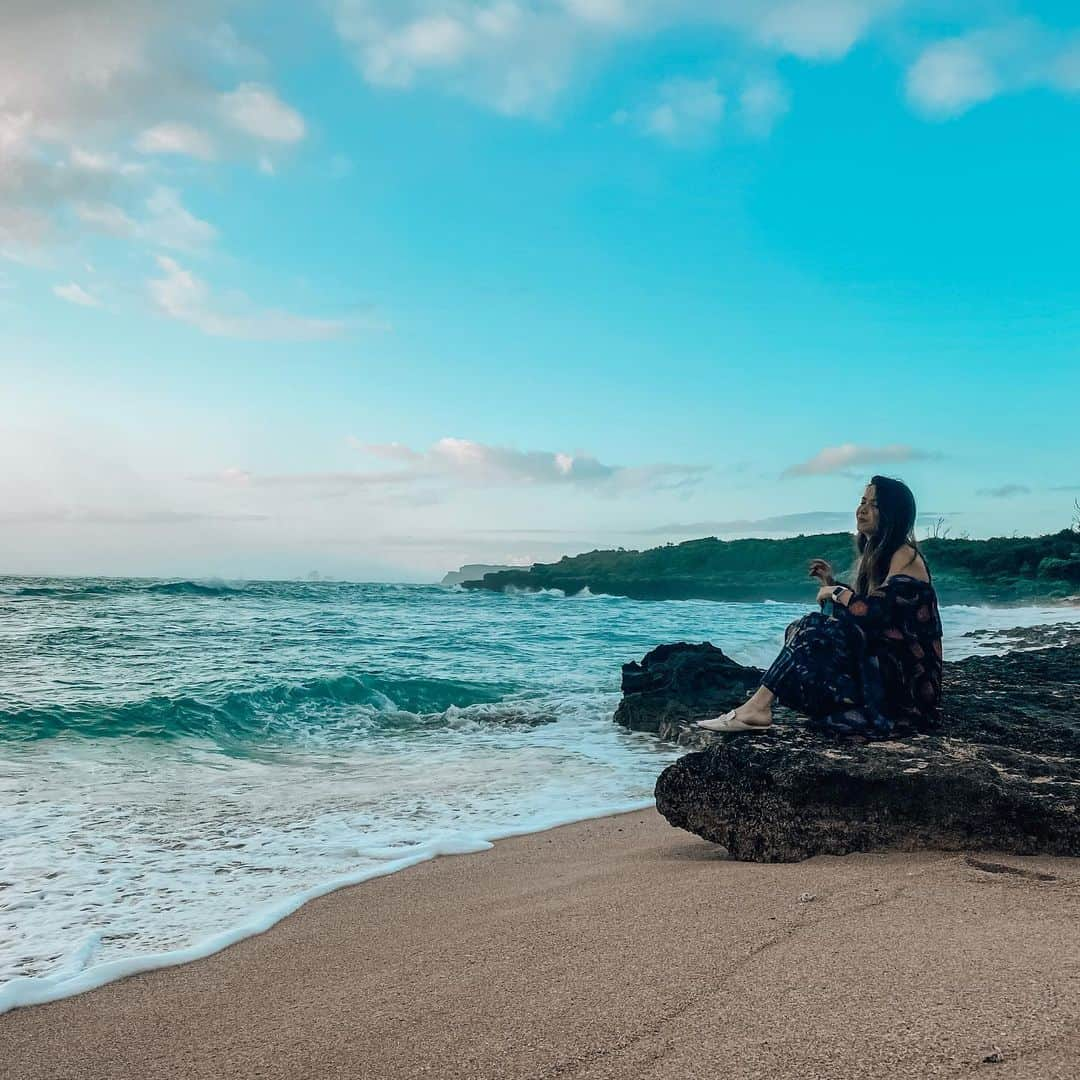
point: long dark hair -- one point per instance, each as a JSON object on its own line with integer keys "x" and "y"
{"x": 896, "y": 527}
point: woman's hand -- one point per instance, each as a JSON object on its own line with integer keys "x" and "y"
{"x": 820, "y": 569}
{"x": 825, "y": 593}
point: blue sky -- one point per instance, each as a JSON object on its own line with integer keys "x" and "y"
{"x": 377, "y": 288}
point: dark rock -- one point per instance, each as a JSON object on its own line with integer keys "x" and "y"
{"x": 677, "y": 684}
{"x": 1003, "y": 774}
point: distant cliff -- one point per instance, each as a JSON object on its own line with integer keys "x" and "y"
{"x": 471, "y": 572}
{"x": 1002, "y": 570}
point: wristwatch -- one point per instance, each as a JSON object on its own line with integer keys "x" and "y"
{"x": 836, "y": 593}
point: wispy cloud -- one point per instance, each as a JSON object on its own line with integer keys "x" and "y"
{"x": 518, "y": 56}
{"x": 762, "y": 102}
{"x": 1005, "y": 491}
{"x": 688, "y": 113}
{"x": 106, "y": 218}
{"x": 104, "y": 163}
{"x": 180, "y": 295}
{"x": 953, "y": 75}
{"x": 81, "y": 84}
{"x": 684, "y": 112}
{"x": 107, "y": 516}
{"x": 170, "y": 223}
{"x": 471, "y": 462}
{"x": 258, "y": 111}
{"x": 74, "y": 293}
{"x": 323, "y": 484}
{"x": 810, "y": 521}
{"x": 176, "y": 139}
{"x": 164, "y": 221}
{"x": 838, "y": 459}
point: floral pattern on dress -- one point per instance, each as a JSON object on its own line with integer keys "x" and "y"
{"x": 871, "y": 669}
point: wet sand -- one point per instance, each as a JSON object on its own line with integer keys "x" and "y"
{"x": 617, "y": 948}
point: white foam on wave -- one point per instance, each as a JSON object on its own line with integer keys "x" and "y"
{"x": 958, "y": 620}
{"x": 124, "y": 855}
{"x": 517, "y": 590}
{"x": 77, "y": 978}
{"x": 158, "y": 854}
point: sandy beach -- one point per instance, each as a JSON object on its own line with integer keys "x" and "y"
{"x": 612, "y": 948}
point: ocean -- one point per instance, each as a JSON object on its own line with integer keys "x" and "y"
{"x": 184, "y": 763}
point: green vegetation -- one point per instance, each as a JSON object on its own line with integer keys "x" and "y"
{"x": 1002, "y": 570}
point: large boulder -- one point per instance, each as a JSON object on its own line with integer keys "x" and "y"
{"x": 675, "y": 685}
{"x": 1002, "y": 775}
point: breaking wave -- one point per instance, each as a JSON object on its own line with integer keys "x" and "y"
{"x": 327, "y": 707}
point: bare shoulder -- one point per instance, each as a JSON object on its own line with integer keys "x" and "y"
{"x": 908, "y": 561}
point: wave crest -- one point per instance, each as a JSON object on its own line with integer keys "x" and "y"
{"x": 329, "y": 707}
{"x": 156, "y": 588}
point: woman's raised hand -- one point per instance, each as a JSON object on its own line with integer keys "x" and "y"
{"x": 820, "y": 569}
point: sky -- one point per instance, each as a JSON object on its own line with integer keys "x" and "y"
{"x": 375, "y": 288}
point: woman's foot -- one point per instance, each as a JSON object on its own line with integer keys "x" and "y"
{"x": 750, "y": 715}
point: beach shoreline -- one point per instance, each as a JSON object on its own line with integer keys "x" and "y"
{"x": 613, "y": 947}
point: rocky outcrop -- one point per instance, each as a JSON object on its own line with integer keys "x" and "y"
{"x": 471, "y": 572}
{"x": 674, "y": 685}
{"x": 1002, "y": 775}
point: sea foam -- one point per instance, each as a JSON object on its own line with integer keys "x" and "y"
{"x": 181, "y": 772}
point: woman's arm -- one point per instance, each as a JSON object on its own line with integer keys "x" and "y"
{"x": 873, "y": 611}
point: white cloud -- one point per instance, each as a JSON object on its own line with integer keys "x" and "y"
{"x": 394, "y": 451}
{"x": 14, "y": 133}
{"x": 835, "y": 459}
{"x": 95, "y": 162}
{"x": 259, "y": 112}
{"x": 466, "y": 461}
{"x": 324, "y": 484}
{"x": 176, "y": 139}
{"x": 82, "y": 79}
{"x": 518, "y": 56}
{"x": 106, "y": 218}
{"x": 762, "y": 102}
{"x": 511, "y": 56}
{"x": 688, "y": 112}
{"x": 36, "y": 183}
{"x": 685, "y": 111}
{"x": 182, "y": 296}
{"x": 172, "y": 225}
{"x": 22, "y": 229}
{"x": 951, "y": 76}
{"x": 815, "y": 29}
{"x": 616, "y": 13}
{"x": 76, "y": 294}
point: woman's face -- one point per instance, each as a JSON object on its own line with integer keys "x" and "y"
{"x": 866, "y": 516}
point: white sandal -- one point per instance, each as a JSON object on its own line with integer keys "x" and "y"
{"x": 729, "y": 723}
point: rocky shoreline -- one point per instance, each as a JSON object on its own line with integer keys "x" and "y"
{"x": 1002, "y": 775}
{"x": 1003, "y": 570}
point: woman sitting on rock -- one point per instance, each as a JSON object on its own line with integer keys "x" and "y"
{"x": 872, "y": 667}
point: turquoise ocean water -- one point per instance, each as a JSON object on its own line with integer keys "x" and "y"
{"x": 183, "y": 763}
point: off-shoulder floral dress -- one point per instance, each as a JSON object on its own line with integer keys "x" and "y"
{"x": 872, "y": 668}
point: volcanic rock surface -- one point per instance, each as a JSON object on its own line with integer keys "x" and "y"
{"x": 1003, "y": 774}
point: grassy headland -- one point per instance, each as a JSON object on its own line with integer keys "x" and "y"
{"x": 1000, "y": 570}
